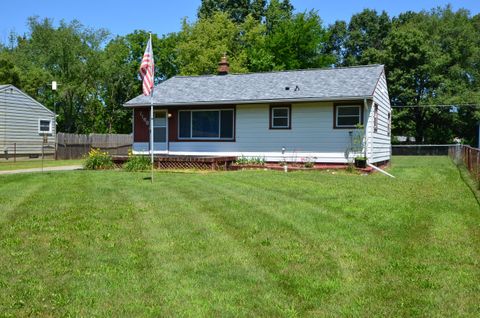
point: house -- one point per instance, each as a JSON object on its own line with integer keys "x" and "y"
{"x": 287, "y": 115}
{"x": 24, "y": 125}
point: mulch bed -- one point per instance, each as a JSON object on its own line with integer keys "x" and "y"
{"x": 295, "y": 167}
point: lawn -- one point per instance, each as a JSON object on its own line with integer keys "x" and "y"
{"x": 245, "y": 243}
{"x": 36, "y": 163}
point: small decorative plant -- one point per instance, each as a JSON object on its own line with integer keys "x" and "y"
{"x": 250, "y": 161}
{"x": 308, "y": 162}
{"x": 97, "y": 159}
{"x": 358, "y": 145}
{"x": 137, "y": 163}
{"x": 258, "y": 161}
{"x": 241, "y": 161}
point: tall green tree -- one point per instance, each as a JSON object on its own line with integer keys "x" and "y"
{"x": 237, "y": 10}
{"x": 277, "y": 12}
{"x": 9, "y": 74}
{"x": 258, "y": 9}
{"x": 299, "y": 42}
{"x": 430, "y": 58}
{"x": 71, "y": 55}
{"x": 201, "y": 44}
{"x": 120, "y": 64}
{"x": 361, "y": 41}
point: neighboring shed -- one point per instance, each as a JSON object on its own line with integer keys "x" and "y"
{"x": 23, "y": 124}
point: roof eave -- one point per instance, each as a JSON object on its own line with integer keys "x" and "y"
{"x": 255, "y": 101}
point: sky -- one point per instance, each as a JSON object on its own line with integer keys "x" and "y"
{"x": 164, "y": 16}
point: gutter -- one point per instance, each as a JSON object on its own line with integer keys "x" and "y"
{"x": 257, "y": 101}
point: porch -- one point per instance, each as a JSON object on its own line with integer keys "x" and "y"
{"x": 165, "y": 161}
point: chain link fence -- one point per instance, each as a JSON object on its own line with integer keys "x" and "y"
{"x": 468, "y": 157}
{"x": 420, "y": 150}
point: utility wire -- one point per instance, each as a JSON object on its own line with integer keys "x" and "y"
{"x": 433, "y": 106}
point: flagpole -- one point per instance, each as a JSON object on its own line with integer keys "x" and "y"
{"x": 151, "y": 134}
{"x": 151, "y": 124}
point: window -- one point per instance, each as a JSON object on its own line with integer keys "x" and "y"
{"x": 280, "y": 117}
{"x": 44, "y": 126}
{"x": 160, "y": 126}
{"x": 389, "y": 124}
{"x": 347, "y": 116}
{"x": 206, "y": 124}
{"x": 375, "y": 118}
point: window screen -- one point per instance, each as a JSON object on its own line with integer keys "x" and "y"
{"x": 205, "y": 124}
{"x": 208, "y": 124}
{"x": 280, "y": 117}
{"x": 44, "y": 126}
{"x": 348, "y": 116}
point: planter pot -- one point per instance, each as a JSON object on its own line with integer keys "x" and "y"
{"x": 360, "y": 163}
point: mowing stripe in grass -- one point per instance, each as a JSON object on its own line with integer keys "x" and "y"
{"x": 202, "y": 254}
{"x": 276, "y": 254}
{"x": 248, "y": 243}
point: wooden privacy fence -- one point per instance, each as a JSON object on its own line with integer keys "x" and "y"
{"x": 468, "y": 156}
{"x": 76, "y": 146}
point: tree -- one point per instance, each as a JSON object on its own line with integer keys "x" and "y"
{"x": 202, "y": 44}
{"x": 120, "y": 64}
{"x": 9, "y": 74}
{"x": 70, "y": 54}
{"x": 362, "y": 40}
{"x": 258, "y": 9}
{"x": 237, "y": 10}
{"x": 431, "y": 59}
{"x": 367, "y": 31}
{"x": 276, "y": 13}
{"x": 337, "y": 35}
{"x": 298, "y": 42}
{"x": 255, "y": 55}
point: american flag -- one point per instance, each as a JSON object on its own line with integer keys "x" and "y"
{"x": 147, "y": 69}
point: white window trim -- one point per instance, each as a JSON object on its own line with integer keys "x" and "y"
{"x": 219, "y": 124}
{"x": 287, "y": 117}
{"x": 50, "y": 128}
{"x": 337, "y": 115}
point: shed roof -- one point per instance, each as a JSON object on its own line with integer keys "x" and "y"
{"x": 13, "y": 88}
{"x": 303, "y": 85}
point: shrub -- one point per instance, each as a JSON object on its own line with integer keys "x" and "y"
{"x": 242, "y": 160}
{"x": 250, "y": 161}
{"x": 308, "y": 163}
{"x": 137, "y": 163}
{"x": 97, "y": 159}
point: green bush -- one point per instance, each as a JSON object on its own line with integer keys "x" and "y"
{"x": 250, "y": 161}
{"x": 97, "y": 159}
{"x": 137, "y": 163}
{"x": 309, "y": 163}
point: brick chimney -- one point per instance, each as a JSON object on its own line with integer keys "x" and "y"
{"x": 223, "y": 66}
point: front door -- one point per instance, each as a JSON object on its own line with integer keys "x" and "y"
{"x": 160, "y": 130}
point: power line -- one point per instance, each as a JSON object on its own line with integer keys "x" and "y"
{"x": 433, "y": 106}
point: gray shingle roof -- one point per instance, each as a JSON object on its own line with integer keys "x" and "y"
{"x": 4, "y": 86}
{"x": 314, "y": 85}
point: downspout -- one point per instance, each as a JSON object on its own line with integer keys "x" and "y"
{"x": 380, "y": 170}
{"x": 365, "y": 120}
